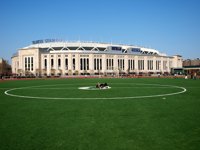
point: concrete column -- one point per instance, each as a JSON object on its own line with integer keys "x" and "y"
{"x": 115, "y": 65}
{"x": 136, "y": 64}
{"x": 70, "y": 62}
{"x": 161, "y": 65}
{"x": 56, "y": 63}
{"x": 63, "y": 63}
{"x": 21, "y": 62}
{"x": 48, "y": 64}
{"x": 168, "y": 68}
{"x": 77, "y": 62}
{"x": 36, "y": 61}
{"x": 103, "y": 63}
{"x": 145, "y": 64}
{"x": 91, "y": 62}
{"x": 126, "y": 64}
{"x": 154, "y": 64}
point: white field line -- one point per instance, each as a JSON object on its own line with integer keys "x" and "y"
{"x": 84, "y": 98}
{"x": 112, "y": 87}
{"x": 94, "y": 87}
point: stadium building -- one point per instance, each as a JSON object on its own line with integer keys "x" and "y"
{"x": 54, "y": 57}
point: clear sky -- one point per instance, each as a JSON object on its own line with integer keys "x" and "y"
{"x": 170, "y": 26}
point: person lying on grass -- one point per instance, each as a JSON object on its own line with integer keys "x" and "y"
{"x": 101, "y": 85}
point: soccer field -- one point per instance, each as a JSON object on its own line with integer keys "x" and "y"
{"x": 139, "y": 113}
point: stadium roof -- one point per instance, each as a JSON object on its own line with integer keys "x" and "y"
{"x": 79, "y": 46}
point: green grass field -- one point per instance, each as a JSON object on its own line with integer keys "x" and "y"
{"x": 135, "y": 114}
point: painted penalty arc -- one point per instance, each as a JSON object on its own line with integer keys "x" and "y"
{"x": 183, "y": 90}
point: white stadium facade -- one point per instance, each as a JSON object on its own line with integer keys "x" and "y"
{"x": 52, "y": 57}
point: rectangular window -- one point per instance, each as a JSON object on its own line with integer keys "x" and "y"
{"x": 81, "y": 64}
{"x": 32, "y": 63}
{"x": 118, "y": 64}
{"x": 122, "y": 64}
{"x": 84, "y": 63}
{"x": 25, "y": 63}
{"x": 109, "y": 64}
{"x": 87, "y": 63}
{"x": 74, "y": 65}
{"x": 66, "y": 64}
{"x": 150, "y": 64}
{"x": 158, "y": 62}
{"x": 29, "y": 63}
{"x": 97, "y": 64}
{"x": 100, "y": 64}
{"x": 45, "y": 63}
{"x": 112, "y": 64}
{"x": 52, "y": 63}
{"x": 141, "y": 64}
{"x": 59, "y": 63}
{"x": 95, "y": 68}
{"x": 131, "y": 64}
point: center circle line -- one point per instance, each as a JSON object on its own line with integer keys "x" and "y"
{"x": 96, "y": 98}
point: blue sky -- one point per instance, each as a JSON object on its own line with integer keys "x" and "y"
{"x": 170, "y": 26}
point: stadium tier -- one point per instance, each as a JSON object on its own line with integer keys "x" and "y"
{"x": 55, "y": 57}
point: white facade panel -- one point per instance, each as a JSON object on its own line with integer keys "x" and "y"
{"x": 95, "y": 57}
